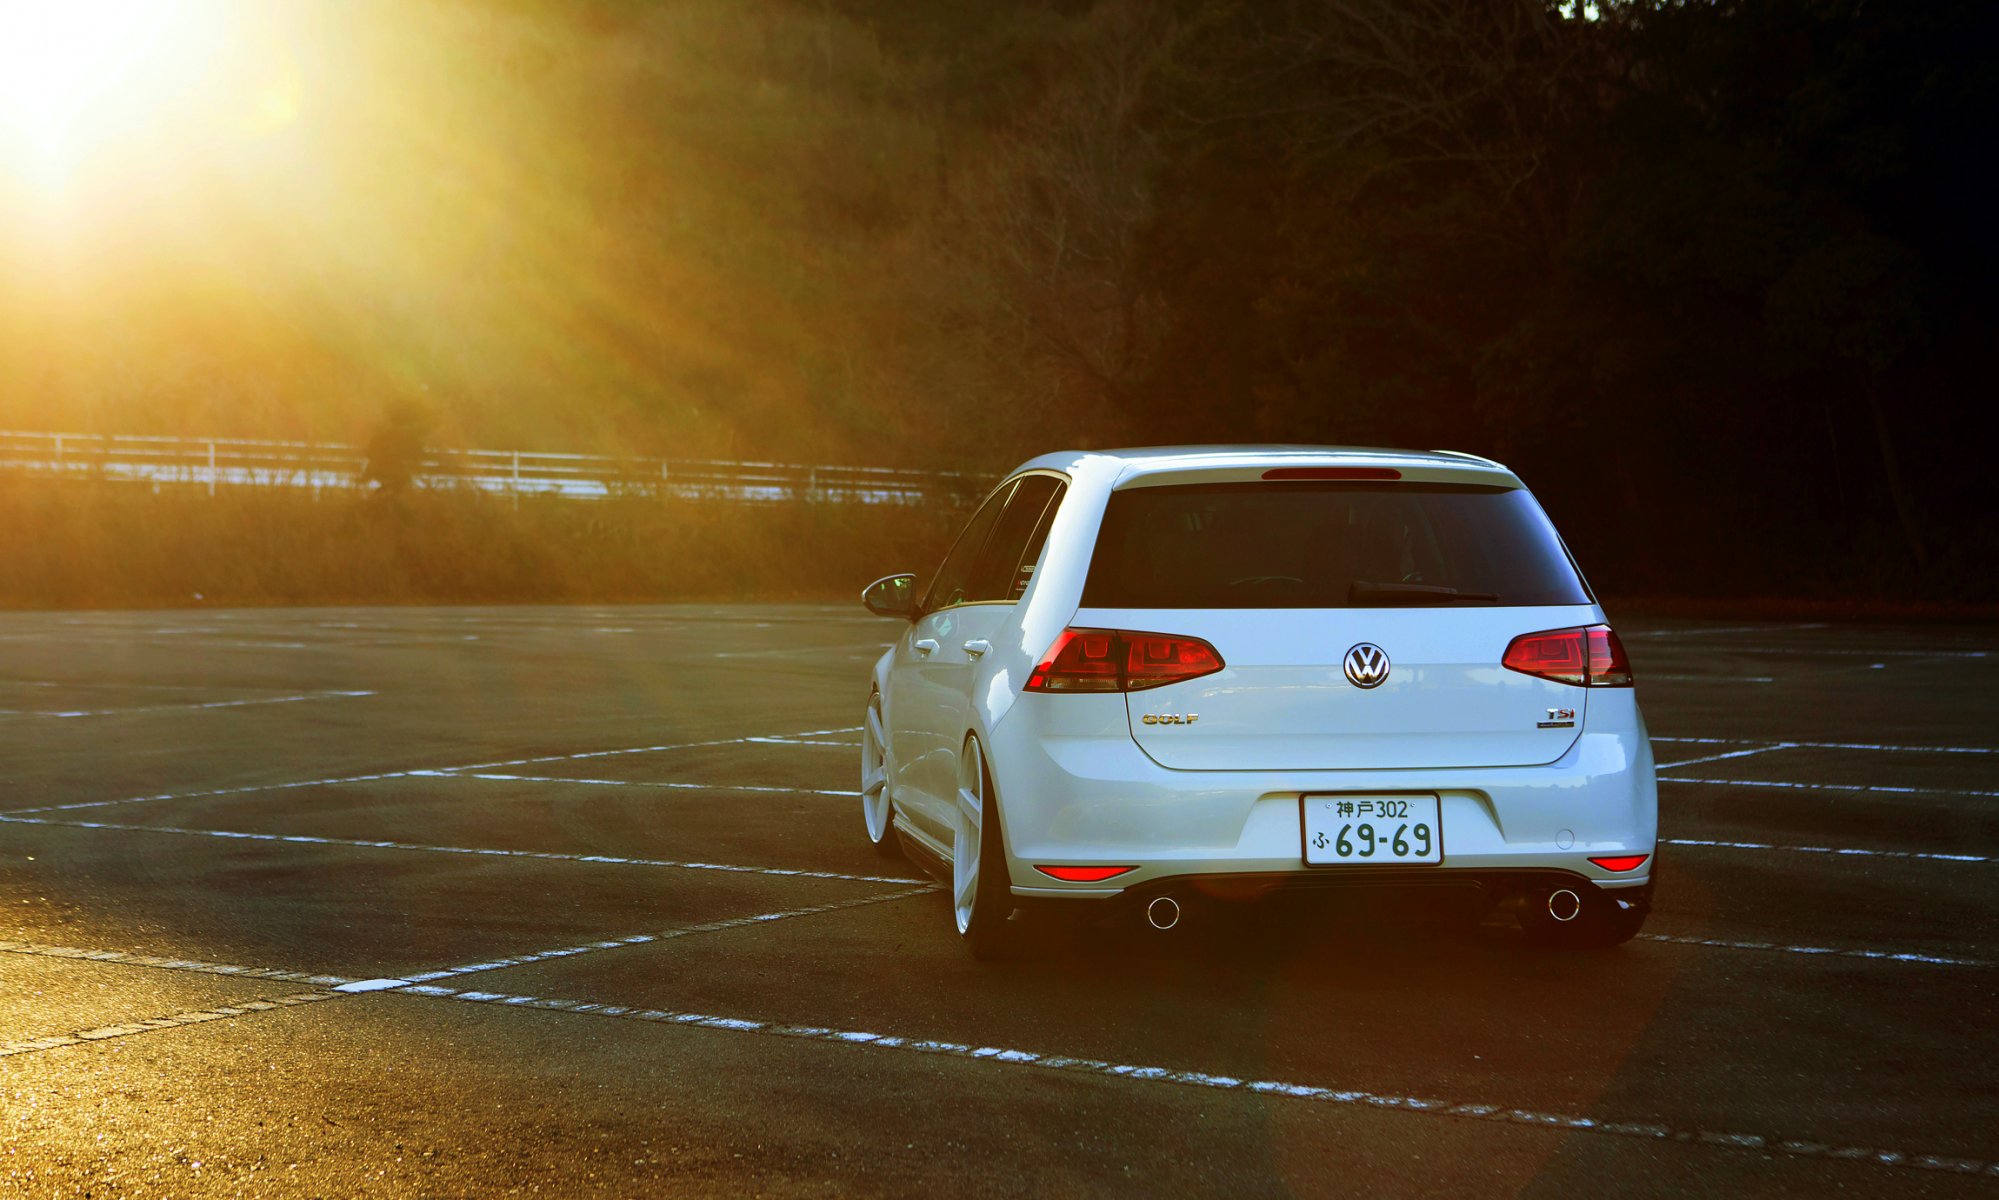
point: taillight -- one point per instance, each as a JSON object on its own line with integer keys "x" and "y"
{"x": 1591, "y": 657}
{"x": 1118, "y": 660}
{"x": 1607, "y": 665}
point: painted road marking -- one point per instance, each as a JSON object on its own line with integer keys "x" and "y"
{"x": 371, "y": 985}
{"x": 1834, "y": 787}
{"x": 178, "y": 1020}
{"x": 1711, "y": 741}
{"x": 170, "y": 964}
{"x": 153, "y": 708}
{"x": 311, "y": 839}
{"x": 637, "y": 939}
{"x": 781, "y": 739}
{"x": 112, "y": 637}
{"x": 1696, "y": 631}
{"x": 550, "y": 855}
{"x": 233, "y": 791}
{"x": 1730, "y": 754}
{"x": 1860, "y": 653}
{"x": 546, "y": 758}
{"x": 1418, "y": 1105}
{"x": 126, "y": 686}
{"x": 1897, "y": 956}
{"x": 1856, "y": 851}
{"x": 305, "y": 783}
{"x": 640, "y": 783}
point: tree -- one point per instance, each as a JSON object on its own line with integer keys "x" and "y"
{"x": 1042, "y": 243}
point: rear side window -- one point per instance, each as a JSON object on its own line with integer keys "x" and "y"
{"x": 954, "y": 577}
{"x": 1006, "y": 566}
{"x": 1327, "y": 545}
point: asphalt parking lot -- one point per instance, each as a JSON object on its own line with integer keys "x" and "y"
{"x": 488, "y": 901}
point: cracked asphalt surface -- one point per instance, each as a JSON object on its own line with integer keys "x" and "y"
{"x": 575, "y": 901}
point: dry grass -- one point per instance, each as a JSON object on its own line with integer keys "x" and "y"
{"x": 83, "y": 544}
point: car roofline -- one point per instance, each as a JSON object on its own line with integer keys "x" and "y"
{"x": 1126, "y": 465}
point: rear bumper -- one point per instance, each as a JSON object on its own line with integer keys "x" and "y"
{"x": 1488, "y": 888}
{"x": 1075, "y": 793}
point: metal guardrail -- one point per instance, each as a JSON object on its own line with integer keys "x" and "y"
{"x": 247, "y": 462}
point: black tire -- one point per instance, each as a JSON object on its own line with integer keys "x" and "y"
{"x": 1602, "y": 924}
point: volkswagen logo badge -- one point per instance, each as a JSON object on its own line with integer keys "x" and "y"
{"x": 1367, "y": 666}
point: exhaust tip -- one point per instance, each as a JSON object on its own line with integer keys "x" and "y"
{"x": 1163, "y": 913}
{"x": 1564, "y": 905}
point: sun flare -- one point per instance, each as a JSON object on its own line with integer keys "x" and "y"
{"x": 78, "y": 76}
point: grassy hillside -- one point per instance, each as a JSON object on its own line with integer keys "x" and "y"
{"x": 83, "y": 544}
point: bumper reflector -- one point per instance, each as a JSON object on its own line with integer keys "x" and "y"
{"x": 1083, "y": 874}
{"x": 1620, "y": 862}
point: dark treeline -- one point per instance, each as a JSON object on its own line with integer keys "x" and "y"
{"x": 1715, "y": 277}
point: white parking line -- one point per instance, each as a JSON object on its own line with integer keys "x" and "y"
{"x": 126, "y": 686}
{"x": 123, "y": 640}
{"x": 169, "y": 964}
{"x": 1834, "y": 650}
{"x": 153, "y": 708}
{"x": 1275, "y": 1089}
{"x": 546, "y": 758}
{"x": 550, "y": 855}
{"x": 1833, "y": 787}
{"x": 637, "y": 939}
{"x": 640, "y": 783}
{"x": 1688, "y": 762}
{"x": 235, "y": 791}
{"x": 1893, "y": 749}
{"x": 1835, "y": 850}
{"x": 1898, "y": 956}
{"x": 305, "y": 783}
{"x": 197, "y": 1016}
{"x": 1699, "y": 632}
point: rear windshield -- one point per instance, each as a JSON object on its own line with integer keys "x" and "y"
{"x": 1327, "y": 545}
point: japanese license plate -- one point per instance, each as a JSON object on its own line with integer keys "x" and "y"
{"x": 1343, "y": 830}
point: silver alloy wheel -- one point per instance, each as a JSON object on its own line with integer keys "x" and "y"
{"x": 967, "y": 843}
{"x": 875, "y": 806}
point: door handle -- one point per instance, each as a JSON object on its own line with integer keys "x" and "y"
{"x": 978, "y": 647}
{"x": 925, "y": 646}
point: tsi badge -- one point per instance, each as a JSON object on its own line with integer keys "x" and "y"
{"x": 1558, "y": 718}
{"x": 1170, "y": 718}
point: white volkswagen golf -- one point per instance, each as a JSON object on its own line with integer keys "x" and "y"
{"x": 1151, "y": 677}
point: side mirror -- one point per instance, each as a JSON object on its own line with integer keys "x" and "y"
{"x": 891, "y": 596}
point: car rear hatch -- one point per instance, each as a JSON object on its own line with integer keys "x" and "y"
{"x": 1361, "y": 623}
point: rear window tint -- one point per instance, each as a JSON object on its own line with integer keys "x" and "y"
{"x": 955, "y": 575}
{"x": 999, "y": 575}
{"x": 1327, "y": 545}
